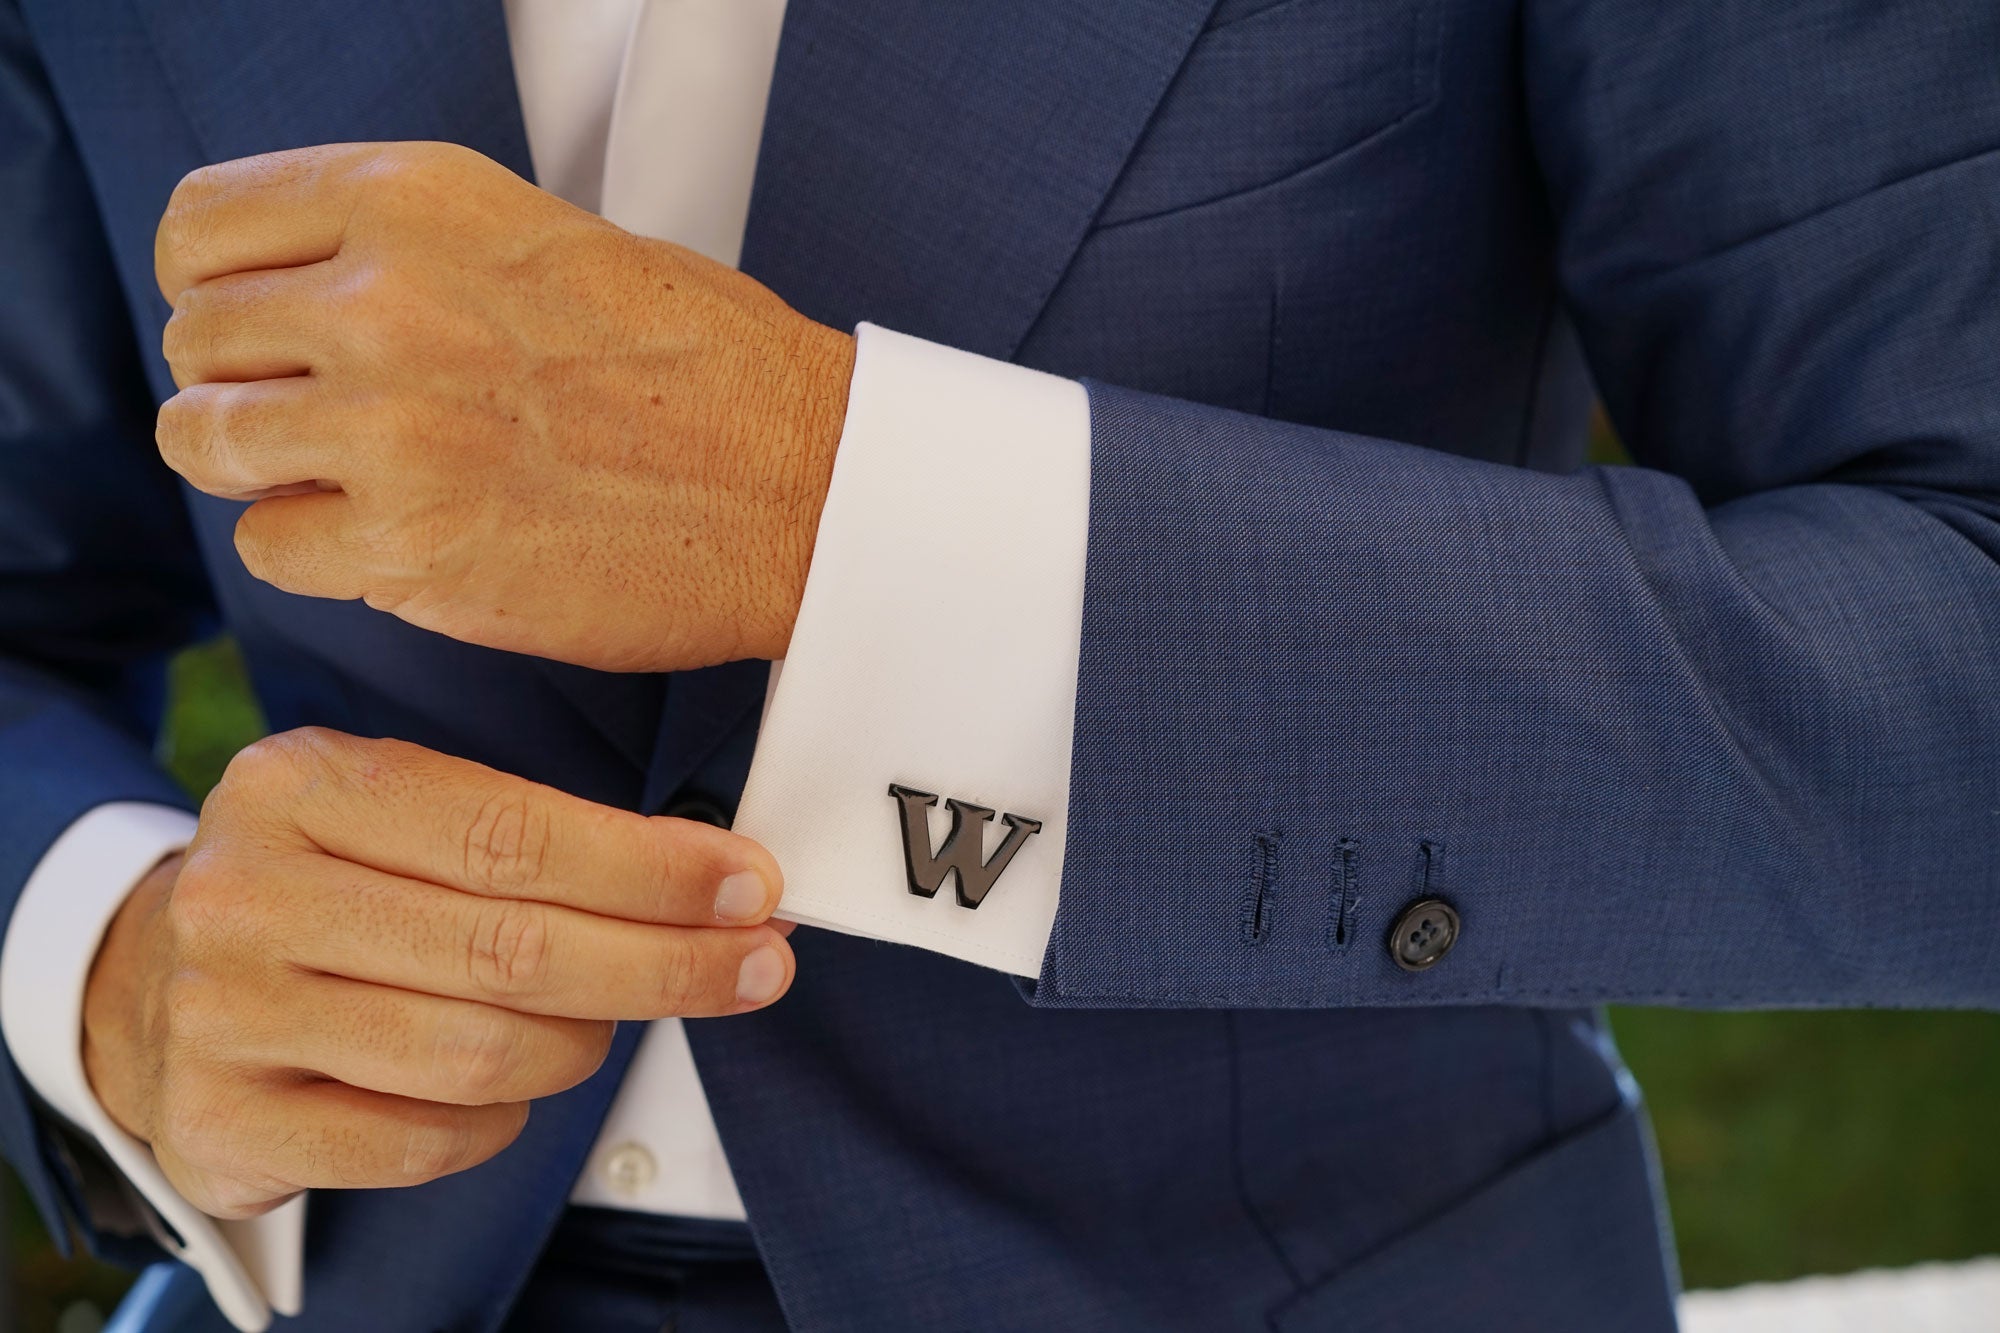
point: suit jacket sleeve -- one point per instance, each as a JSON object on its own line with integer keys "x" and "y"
{"x": 98, "y": 575}
{"x": 1721, "y": 729}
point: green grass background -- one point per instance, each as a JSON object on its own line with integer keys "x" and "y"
{"x": 1792, "y": 1143}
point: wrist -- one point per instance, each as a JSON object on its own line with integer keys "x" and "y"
{"x": 114, "y": 1021}
{"x": 818, "y": 410}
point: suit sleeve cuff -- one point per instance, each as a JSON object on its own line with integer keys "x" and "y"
{"x": 59, "y": 920}
{"x": 935, "y": 652}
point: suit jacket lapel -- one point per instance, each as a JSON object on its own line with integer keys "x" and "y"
{"x": 254, "y": 76}
{"x": 932, "y": 165}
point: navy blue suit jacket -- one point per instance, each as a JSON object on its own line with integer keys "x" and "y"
{"x": 1719, "y": 729}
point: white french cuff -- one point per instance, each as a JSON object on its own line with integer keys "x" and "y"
{"x": 251, "y": 1267}
{"x": 935, "y": 651}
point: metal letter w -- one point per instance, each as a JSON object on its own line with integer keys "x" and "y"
{"x": 962, "y": 848}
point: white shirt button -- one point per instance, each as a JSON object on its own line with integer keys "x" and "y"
{"x": 629, "y": 1168}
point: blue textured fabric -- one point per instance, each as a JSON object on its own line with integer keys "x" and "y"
{"x": 1716, "y": 730}
{"x": 1720, "y": 730}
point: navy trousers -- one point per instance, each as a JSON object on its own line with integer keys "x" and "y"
{"x": 616, "y": 1272}
{"x": 603, "y": 1271}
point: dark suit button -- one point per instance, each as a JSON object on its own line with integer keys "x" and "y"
{"x": 1424, "y": 933}
{"x": 701, "y": 810}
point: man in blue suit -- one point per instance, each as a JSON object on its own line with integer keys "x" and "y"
{"x": 1310, "y": 736}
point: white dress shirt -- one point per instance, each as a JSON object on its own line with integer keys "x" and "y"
{"x": 650, "y": 112}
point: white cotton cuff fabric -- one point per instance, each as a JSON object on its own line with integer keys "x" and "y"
{"x": 936, "y": 648}
{"x": 251, "y": 1267}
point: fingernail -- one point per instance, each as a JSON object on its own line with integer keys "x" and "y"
{"x": 741, "y": 897}
{"x": 762, "y": 977}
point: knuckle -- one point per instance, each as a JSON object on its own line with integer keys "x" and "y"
{"x": 260, "y": 560}
{"x": 291, "y": 557}
{"x": 357, "y": 297}
{"x": 661, "y": 873}
{"x": 376, "y": 285}
{"x": 233, "y": 415}
{"x": 676, "y": 987}
{"x": 193, "y": 1122}
{"x": 197, "y": 1018}
{"x": 217, "y": 1196}
{"x": 395, "y": 181}
{"x": 180, "y": 225}
{"x": 436, "y": 1146}
{"x": 506, "y": 843}
{"x": 323, "y": 756}
{"x": 176, "y": 337}
{"x": 395, "y": 164}
{"x": 315, "y": 744}
{"x": 194, "y": 188}
{"x": 351, "y": 301}
{"x": 188, "y": 342}
{"x": 203, "y": 878}
{"x": 197, "y": 425}
{"x": 477, "y": 1055}
{"x": 212, "y": 902}
{"x": 235, "y": 1200}
{"x": 388, "y": 315}
{"x": 573, "y": 1054}
{"x": 181, "y": 427}
{"x": 509, "y": 950}
{"x": 441, "y": 153}
{"x": 292, "y": 760}
{"x": 407, "y": 165}
{"x": 177, "y": 415}
{"x": 263, "y": 762}
{"x": 590, "y": 1050}
{"x": 267, "y": 777}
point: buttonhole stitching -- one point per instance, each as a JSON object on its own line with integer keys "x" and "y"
{"x": 1341, "y": 908}
{"x": 1430, "y": 869}
{"x": 1259, "y": 900}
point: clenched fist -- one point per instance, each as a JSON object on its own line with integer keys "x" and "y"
{"x": 373, "y": 957}
{"x": 466, "y": 402}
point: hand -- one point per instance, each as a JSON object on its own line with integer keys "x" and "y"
{"x": 464, "y": 401}
{"x": 373, "y": 956}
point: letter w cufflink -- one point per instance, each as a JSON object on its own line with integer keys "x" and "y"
{"x": 962, "y": 848}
